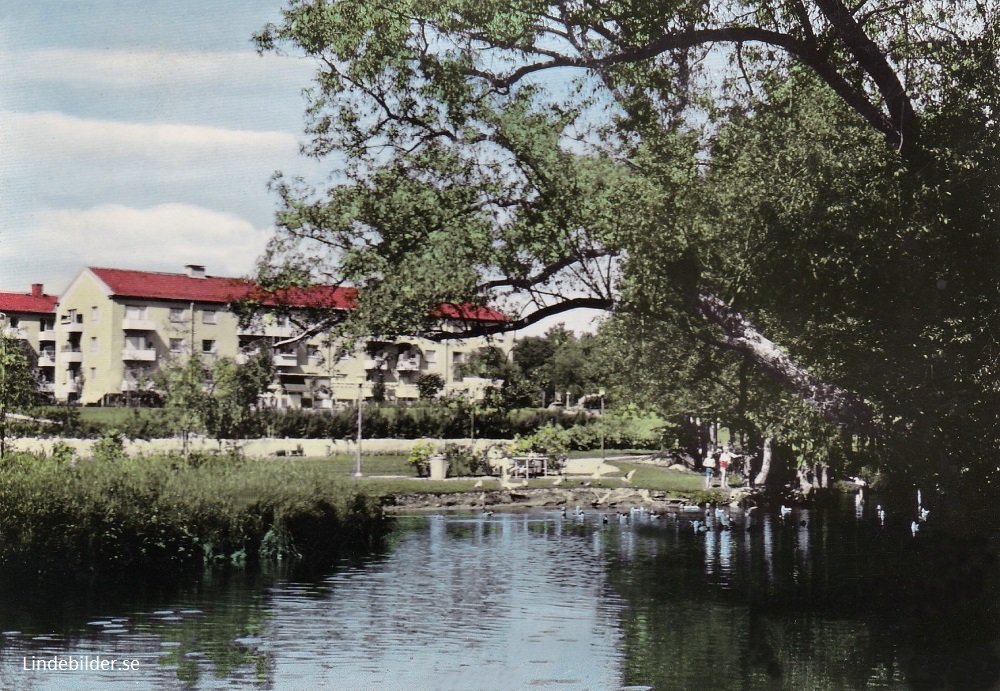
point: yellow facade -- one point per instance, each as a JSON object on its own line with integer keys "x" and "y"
{"x": 108, "y": 345}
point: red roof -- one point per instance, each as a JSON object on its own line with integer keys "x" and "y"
{"x": 163, "y": 286}
{"x": 20, "y": 302}
{"x": 468, "y": 312}
{"x": 154, "y": 285}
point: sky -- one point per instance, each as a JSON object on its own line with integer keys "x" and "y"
{"x": 142, "y": 135}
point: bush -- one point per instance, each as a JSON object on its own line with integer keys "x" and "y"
{"x": 116, "y": 513}
{"x": 463, "y": 462}
{"x": 420, "y": 457}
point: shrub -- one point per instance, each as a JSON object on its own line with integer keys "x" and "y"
{"x": 429, "y": 386}
{"x": 117, "y": 513}
{"x": 463, "y": 461}
{"x": 420, "y": 457}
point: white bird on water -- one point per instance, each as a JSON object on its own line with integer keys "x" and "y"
{"x": 479, "y": 483}
{"x": 880, "y": 512}
{"x": 628, "y": 476}
{"x": 785, "y": 511}
{"x": 914, "y": 527}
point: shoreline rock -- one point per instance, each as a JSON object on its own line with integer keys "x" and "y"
{"x": 626, "y": 497}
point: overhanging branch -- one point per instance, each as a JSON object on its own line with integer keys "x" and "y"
{"x": 471, "y": 329}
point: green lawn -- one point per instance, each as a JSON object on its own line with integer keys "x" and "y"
{"x": 114, "y": 417}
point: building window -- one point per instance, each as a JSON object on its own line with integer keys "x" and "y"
{"x": 208, "y": 317}
{"x": 93, "y": 345}
{"x": 134, "y": 311}
{"x": 95, "y": 314}
{"x": 176, "y": 345}
{"x": 93, "y": 374}
{"x": 457, "y": 358}
{"x": 208, "y": 345}
{"x": 431, "y": 357}
{"x": 177, "y": 314}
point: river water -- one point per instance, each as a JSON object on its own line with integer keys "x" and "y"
{"x": 816, "y": 600}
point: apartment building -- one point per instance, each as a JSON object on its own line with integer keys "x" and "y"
{"x": 112, "y": 329}
{"x": 30, "y": 317}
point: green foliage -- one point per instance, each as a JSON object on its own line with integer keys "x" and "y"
{"x": 464, "y": 462}
{"x": 429, "y": 386}
{"x": 63, "y": 453}
{"x": 18, "y": 389}
{"x": 549, "y": 440}
{"x": 109, "y": 448}
{"x": 420, "y": 457}
{"x": 219, "y": 401}
{"x": 115, "y": 513}
{"x": 557, "y": 363}
{"x": 842, "y": 198}
{"x": 378, "y": 391}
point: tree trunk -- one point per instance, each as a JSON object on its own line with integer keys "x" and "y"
{"x": 805, "y": 484}
{"x": 765, "y": 463}
{"x": 835, "y": 404}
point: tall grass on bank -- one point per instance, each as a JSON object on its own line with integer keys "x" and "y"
{"x": 116, "y": 513}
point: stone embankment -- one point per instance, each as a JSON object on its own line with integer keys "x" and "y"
{"x": 625, "y": 497}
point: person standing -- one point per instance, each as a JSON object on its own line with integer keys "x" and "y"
{"x": 709, "y": 465}
{"x": 724, "y": 460}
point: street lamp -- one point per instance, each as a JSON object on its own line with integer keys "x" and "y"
{"x": 601, "y": 394}
{"x": 357, "y": 450}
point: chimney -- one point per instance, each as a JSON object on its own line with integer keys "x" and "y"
{"x": 36, "y": 290}
{"x": 195, "y": 270}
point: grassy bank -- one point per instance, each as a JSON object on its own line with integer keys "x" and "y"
{"x": 150, "y": 512}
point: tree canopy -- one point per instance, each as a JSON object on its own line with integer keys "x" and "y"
{"x": 807, "y": 186}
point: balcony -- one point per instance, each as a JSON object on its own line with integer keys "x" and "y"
{"x": 70, "y": 354}
{"x": 47, "y": 358}
{"x": 410, "y": 364}
{"x": 407, "y": 392}
{"x": 143, "y": 355}
{"x": 286, "y": 360}
{"x": 47, "y": 334}
{"x": 47, "y": 386}
{"x": 71, "y": 326}
{"x": 73, "y": 387}
{"x": 375, "y": 363}
{"x": 132, "y": 385}
{"x": 299, "y": 387}
{"x": 138, "y": 324}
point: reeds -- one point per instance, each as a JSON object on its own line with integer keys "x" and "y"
{"x": 114, "y": 512}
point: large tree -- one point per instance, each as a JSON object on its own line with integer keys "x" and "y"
{"x": 476, "y": 170}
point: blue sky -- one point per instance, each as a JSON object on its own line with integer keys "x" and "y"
{"x": 141, "y": 135}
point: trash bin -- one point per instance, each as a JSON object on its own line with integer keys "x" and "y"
{"x": 439, "y": 467}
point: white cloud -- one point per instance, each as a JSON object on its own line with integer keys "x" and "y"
{"x": 144, "y": 68}
{"x": 29, "y": 136}
{"x": 158, "y": 238}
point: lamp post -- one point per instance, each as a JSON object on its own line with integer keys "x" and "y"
{"x": 357, "y": 451}
{"x": 601, "y": 393}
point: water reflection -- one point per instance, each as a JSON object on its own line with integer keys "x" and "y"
{"x": 814, "y": 600}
